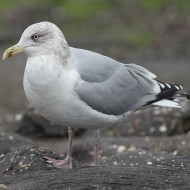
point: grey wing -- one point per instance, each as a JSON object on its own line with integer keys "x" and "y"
{"x": 92, "y": 66}
{"x": 111, "y": 87}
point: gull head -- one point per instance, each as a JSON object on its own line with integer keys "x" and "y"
{"x": 40, "y": 39}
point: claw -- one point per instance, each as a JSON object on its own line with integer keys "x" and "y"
{"x": 62, "y": 164}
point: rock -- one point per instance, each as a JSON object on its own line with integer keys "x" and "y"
{"x": 2, "y": 186}
{"x": 23, "y": 159}
{"x": 26, "y": 169}
{"x": 10, "y": 142}
{"x": 33, "y": 124}
{"x": 175, "y": 145}
{"x": 152, "y": 122}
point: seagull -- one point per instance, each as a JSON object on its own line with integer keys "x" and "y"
{"x": 78, "y": 88}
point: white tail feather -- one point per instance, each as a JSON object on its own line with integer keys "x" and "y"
{"x": 167, "y": 103}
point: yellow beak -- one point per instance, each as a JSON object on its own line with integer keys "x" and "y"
{"x": 13, "y": 50}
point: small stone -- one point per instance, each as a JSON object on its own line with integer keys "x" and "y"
{"x": 175, "y": 153}
{"x": 41, "y": 149}
{"x": 20, "y": 163}
{"x": 132, "y": 148}
{"x": 183, "y": 142}
{"x": 2, "y": 155}
{"x": 23, "y": 165}
{"x": 11, "y": 137}
{"x": 121, "y": 148}
{"x": 18, "y": 117}
{"x": 163, "y": 128}
{"x": 26, "y": 168}
{"x": 149, "y": 163}
{"x": 115, "y": 163}
{"x": 3, "y": 186}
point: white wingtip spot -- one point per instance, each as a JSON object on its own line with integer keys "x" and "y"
{"x": 181, "y": 87}
{"x": 167, "y": 103}
{"x": 177, "y": 87}
{"x": 161, "y": 85}
{"x": 168, "y": 85}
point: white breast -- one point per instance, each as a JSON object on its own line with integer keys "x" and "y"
{"x": 49, "y": 88}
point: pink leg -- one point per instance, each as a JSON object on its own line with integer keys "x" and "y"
{"x": 67, "y": 162}
{"x": 96, "y": 147}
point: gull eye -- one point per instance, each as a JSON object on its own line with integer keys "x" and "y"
{"x": 35, "y": 37}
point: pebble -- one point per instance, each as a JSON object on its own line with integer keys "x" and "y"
{"x": 115, "y": 163}
{"x": 25, "y": 166}
{"x": 163, "y": 128}
{"x": 149, "y": 163}
{"x": 41, "y": 149}
{"x": 18, "y": 117}
{"x": 20, "y": 163}
{"x": 121, "y": 148}
{"x": 142, "y": 152}
{"x": 3, "y": 186}
{"x": 11, "y": 137}
{"x": 2, "y": 155}
{"x": 183, "y": 142}
{"x": 132, "y": 148}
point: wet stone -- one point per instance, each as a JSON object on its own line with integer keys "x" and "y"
{"x": 32, "y": 123}
{"x": 152, "y": 122}
{"x": 25, "y": 159}
{"x": 128, "y": 170}
{"x": 3, "y": 186}
{"x": 10, "y": 142}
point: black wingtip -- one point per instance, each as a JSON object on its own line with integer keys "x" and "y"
{"x": 186, "y": 95}
{"x": 166, "y": 86}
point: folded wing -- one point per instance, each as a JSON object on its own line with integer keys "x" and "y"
{"x": 111, "y": 87}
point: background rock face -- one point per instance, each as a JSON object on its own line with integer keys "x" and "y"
{"x": 150, "y": 149}
{"x": 33, "y": 124}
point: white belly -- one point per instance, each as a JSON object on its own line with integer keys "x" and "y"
{"x": 49, "y": 90}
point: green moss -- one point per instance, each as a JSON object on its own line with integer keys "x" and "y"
{"x": 84, "y": 8}
{"x": 16, "y": 3}
{"x": 183, "y": 6}
{"x": 154, "y": 4}
{"x": 136, "y": 38}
